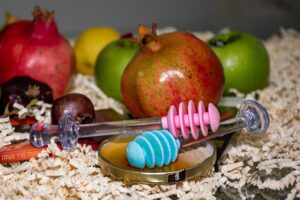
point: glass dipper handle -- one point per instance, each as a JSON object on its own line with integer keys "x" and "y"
{"x": 41, "y": 134}
{"x": 67, "y": 132}
{"x": 252, "y": 117}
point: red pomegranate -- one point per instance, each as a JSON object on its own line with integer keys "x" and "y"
{"x": 36, "y": 49}
{"x": 169, "y": 69}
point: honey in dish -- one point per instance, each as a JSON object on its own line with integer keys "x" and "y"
{"x": 114, "y": 151}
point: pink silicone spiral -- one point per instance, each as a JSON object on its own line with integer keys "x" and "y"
{"x": 189, "y": 120}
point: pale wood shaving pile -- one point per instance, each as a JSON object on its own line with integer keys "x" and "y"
{"x": 267, "y": 167}
{"x": 86, "y": 85}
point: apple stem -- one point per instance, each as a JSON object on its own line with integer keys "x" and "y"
{"x": 222, "y": 40}
{"x": 217, "y": 43}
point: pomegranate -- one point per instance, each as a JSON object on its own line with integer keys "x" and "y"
{"x": 36, "y": 49}
{"x": 22, "y": 90}
{"x": 169, "y": 69}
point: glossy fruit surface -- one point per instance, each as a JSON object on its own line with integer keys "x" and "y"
{"x": 89, "y": 44}
{"x": 169, "y": 69}
{"x": 111, "y": 63}
{"x": 78, "y": 105}
{"x": 36, "y": 49}
{"x": 245, "y": 61}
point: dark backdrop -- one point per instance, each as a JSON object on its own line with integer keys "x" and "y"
{"x": 260, "y": 17}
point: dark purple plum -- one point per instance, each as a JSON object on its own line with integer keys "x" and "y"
{"x": 78, "y": 105}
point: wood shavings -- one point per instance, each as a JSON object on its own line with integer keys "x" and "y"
{"x": 8, "y": 134}
{"x": 295, "y": 192}
{"x": 274, "y": 158}
{"x": 55, "y": 173}
{"x": 230, "y": 167}
{"x": 42, "y": 114}
{"x": 86, "y": 85}
{"x": 269, "y": 164}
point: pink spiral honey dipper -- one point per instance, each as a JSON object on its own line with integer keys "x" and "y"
{"x": 151, "y": 145}
{"x": 189, "y": 121}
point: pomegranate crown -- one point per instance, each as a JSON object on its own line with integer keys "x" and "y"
{"x": 45, "y": 15}
{"x": 147, "y": 38}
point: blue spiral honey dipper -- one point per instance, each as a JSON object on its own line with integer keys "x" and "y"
{"x": 153, "y": 148}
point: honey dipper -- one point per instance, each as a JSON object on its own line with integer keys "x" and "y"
{"x": 252, "y": 117}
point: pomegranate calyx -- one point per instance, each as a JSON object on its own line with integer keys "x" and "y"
{"x": 39, "y": 14}
{"x": 148, "y": 39}
{"x": 44, "y": 25}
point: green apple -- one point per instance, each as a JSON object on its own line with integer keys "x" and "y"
{"x": 111, "y": 63}
{"x": 245, "y": 61}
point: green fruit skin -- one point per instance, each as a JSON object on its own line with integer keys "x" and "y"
{"x": 245, "y": 61}
{"x": 110, "y": 65}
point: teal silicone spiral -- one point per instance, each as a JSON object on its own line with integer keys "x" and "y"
{"x": 155, "y": 148}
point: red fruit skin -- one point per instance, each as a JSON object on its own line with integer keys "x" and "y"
{"x": 183, "y": 69}
{"x": 36, "y": 49}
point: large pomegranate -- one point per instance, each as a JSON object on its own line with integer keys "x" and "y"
{"x": 168, "y": 69}
{"x": 36, "y": 49}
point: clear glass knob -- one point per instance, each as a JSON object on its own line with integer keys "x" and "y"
{"x": 68, "y": 132}
{"x": 255, "y": 117}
